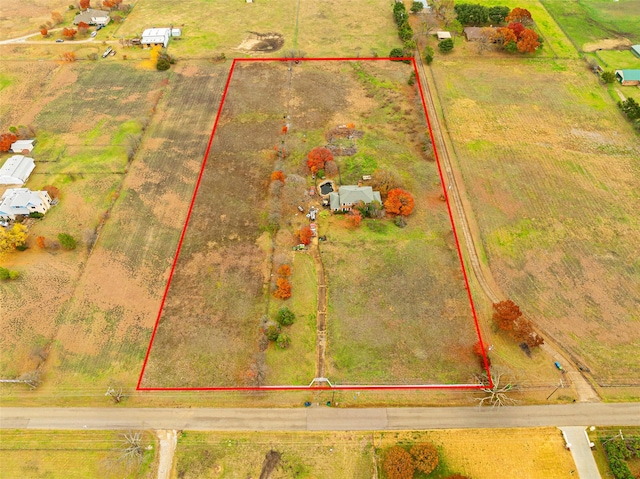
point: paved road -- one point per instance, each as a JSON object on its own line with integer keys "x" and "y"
{"x": 581, "y": 452}
{"x": 321, "y": 418}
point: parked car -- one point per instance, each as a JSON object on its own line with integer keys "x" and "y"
{"x": 59, "y": 40}
{"x": 106, "y": 52}
{"x": 93, "y": 34}
{"x": 314, "y": 229}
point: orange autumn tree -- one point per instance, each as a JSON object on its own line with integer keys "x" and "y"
{"x": 517, "y": 29}
{"x": 304, "y": 235}
{"x": 520, "y": 15}
{"x": 6, "y": 140}
{"x": 425, "y": 457}
{"x": 283, "y": 290}
{"x": 399, "y": 202}
{"x": 284, "y": 270}
{"x": 354, "y": 218}
{"x": 84, "y": 4}
{"x": 317, "y": 158}
{"x": 83, "y": 28}
{"x": 69, "y": 32}
{"x": 504, "y": 36}
{"x": 278, "y": 176}
{"x": 44, "y": 32}
{"x": 398, "y": 464}
{"x": 528, "y": 42}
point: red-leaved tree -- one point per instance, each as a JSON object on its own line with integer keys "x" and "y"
{"x": 354, "y": 218}
{"x": 318, "y": 157}
{"x": 277, "y": 176}
{"x": 516, "y": 28}
{"x": 69, "y": 32}
{"x": 6, "y": 140}
{"x": 504, "y": 35}
{"x": 399, "y": 202}
{"x": 83, "y": 28}
{"x": 398, "y": 463}
{"x": 44, "y": 32}
{"x": 304, "y": 235}
{"x": 528, "y": 42}
{"x": 505, "y": 314}
{"x": 425, "y": 457}
{"x": 84, "y": 4}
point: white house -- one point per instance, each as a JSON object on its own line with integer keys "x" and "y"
{"x": 152, "y": 37}
{"x": 22, "y": 201}
{"x": 23, "y": 146}
{"x": 16, "y": 170}
{"x": 92, "y": 16}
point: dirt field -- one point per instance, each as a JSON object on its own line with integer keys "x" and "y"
{"x": 551, "y": 179}
{"x": 70, "y": 454}
{"x": 532, "y": 453}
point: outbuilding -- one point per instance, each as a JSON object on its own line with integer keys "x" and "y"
{"x": 23, "y": 146}
{"x": 16, "y": 170}
{"x": 635, "y": 49}
{"x": 628, "y": 77}
{"x": 443, "y": 35}
{"x": 155, "y": 37}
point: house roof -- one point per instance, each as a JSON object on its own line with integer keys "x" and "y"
{"x": 15, "y": 201}
{"x": 20, "y": 145}
{"x": 16, "y": 170}
{"x": 629, "y": 75}
{"x": 89, "y": 14}
{"x": 635, "y": 49}
{"x": 351, "y": 194}
{"x": 443, "y": 35}
{"x": 475, "y": 33}
{"x": 155, "y": 36}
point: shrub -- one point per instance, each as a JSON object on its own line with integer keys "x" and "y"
{"x": 14, "y": 274}
{"x": 416, "y": 7}
{"x": 36, "y": 214}
{"x": 272, "y": 332}
{"x": 67, "y": 241}
{"x": 446, "y": 45}
{"x": 428, "y": 55}
{"x": 396, "y": 53}
{"x": 285, "y": 316}
{"x": 4, "y": 273}
{"x": 163, "y": 64}
{"x": 22, "y": 247}
{"x": 283, "y": 341}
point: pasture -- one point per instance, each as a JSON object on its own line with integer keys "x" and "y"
{"x": 209, "y": 333}
{"x": 71, "y": 454}
{"x": 551, "y": 179}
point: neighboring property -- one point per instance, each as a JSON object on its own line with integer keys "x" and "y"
{"x": 16, "y": 170}
{"x": 628, "y": 77}
{"x": 476, "y": 34}
{"x": 92, "y": 17}
{"x": 22, "y": 201}
{"x": 635, "y": 49}
{"x": 349, "y": 195}
{"x": 23, "y": 146}
{"x": 152, "y": 37}
{"x": 443, "y": 35}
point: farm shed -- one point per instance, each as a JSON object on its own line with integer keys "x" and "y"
{"x": 349, "y": 195}
{"x": 636, "y": 50}
{"x": 23, "y": 146}
{"x": 152, "y": 37}
{"x": 628, "y": 77}
{"x": 92, "y": 17}
{"x": 475, "y": 34}
{"x": 16, "y": 170}
{"x": 22, "y": 201}
{"x": 443, "y": 35}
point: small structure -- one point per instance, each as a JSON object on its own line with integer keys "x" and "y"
{"x": 23, "y": 146}
{"x": 16, "y": 170}
{"x": 349, "y": 195}
{"x": 154, "y": 37}
{"x": 635, "y": 49}
{"x": 92, "y": 17}
{"x": 628, "y": 77}
{"x": 22, "y": 201}
{"x": 443, "y": 35}
{"x": 476, "y": 34}
{"x": 176, "y": 33}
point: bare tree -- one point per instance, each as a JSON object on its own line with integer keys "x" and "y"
{"x": 132, "y": 448}
{"x": 496, "y": 395}
{"x": 31, "y": 379}
{"x": 116, "y": 394}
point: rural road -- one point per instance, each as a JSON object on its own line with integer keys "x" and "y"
{"x": 321, "y": 418}
{"x": 24, "y": 40}
{"x": 584, "y": 390}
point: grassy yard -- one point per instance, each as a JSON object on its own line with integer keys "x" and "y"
{"x": 531, "y": 453}
{"x": 71, "y": 454}
{"x": 550, "y": 178}
{"x": 617, "y": 59}
{"x": 591, "y": 21}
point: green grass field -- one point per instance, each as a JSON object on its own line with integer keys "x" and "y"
{"x": 590, "y": 21}
{"x": 71, "y": 454}
{"x": 617, "y": 60}
{"x": 550, "y": 180}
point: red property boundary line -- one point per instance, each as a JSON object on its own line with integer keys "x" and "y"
{"x": 184, "y": 230}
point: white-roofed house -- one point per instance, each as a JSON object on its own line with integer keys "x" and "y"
{"x": 16, "y": 170}
{"x": 22, "y": 201}
{"x": 91, "y": 16}
{"x": 349, "y": 195}
{"x": 152, "y": 37}
{"x": 23, "y": 146}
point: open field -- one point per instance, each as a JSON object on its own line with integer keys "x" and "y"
{"x": 617, "y": 60}
{"x": 15, "y": 22}
{"x": 71, "y": 454}
{"x": 321, "y": 29}
{"x": 214, "y": 338}
{"x": 589, "y": 22}
{"x": 532, "y": 453}
{"x": 551, "y": 180}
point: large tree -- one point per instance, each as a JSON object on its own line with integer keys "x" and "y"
{"x": 497, "y": 14}
{"x": 398, "y": 463}
{"x": 12, "y": 237}
{"x": 6, "y": 140}
{"x": 471, "y": 14}
{"x": 69, "y": 32}
{"x": 425, "y": 457}
{"x": 528, "y": 41}
{"x": 505, "y": 314}
{"x": 318, "y": 157}
{"x": 84, "y": 4}
{"x": 520, "y": 15}
{"x": 399, "y": 202}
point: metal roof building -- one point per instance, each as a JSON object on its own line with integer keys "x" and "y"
{"x": 16, "y": 170}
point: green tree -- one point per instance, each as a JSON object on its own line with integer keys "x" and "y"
{"x": 67, "y": 241}
{"x": 416, "y": 7}
{"x": 163, "y": 64}
{"x": 497, "y": 14}
{"x": 396, "y": 53}
{"x": 272, "y": 331}
{"x": 446, "y": 45}
{"x": 608, "y": 76}
{"x": 471, "y": 14}
{"x": 428, "y": 55}
{"x": 630, "y": 108}
{"x": 285, "y": 316}
{"x": 283, "y": 340}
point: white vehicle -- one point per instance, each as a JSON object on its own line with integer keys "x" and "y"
{"x": 93, "y": 34}
{"x": 106, "y": 52}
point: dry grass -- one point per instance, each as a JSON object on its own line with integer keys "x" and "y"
{"x": 550, "y": 176}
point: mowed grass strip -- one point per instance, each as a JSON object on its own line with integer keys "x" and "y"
{"x": 70, "y": 454}
{"x": 551, "y": 177}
